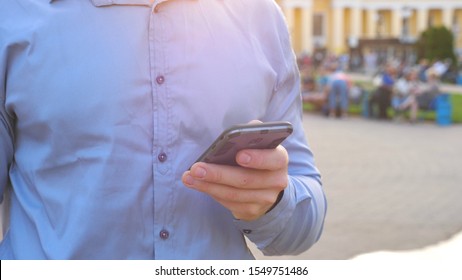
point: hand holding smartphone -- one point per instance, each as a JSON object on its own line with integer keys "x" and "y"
{"x": 247, "y": 136}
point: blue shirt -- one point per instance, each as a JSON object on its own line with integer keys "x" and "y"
{"x": 104, "y": 105}
{"x": 387, "y": 80}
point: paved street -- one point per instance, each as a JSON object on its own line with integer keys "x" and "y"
{"x": 390, "y": 186}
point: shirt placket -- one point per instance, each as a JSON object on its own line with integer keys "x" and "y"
{"x": 163, "y": 192}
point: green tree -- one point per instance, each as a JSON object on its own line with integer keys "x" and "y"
{"x": 437, "y": 43}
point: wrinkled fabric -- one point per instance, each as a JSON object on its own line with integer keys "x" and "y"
{"x": 104, "y": 104}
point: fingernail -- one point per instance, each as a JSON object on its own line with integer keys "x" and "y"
{"x": 189, "y": 180}
{"x": 199, "y": 172}
{"x": 244, "y": 158}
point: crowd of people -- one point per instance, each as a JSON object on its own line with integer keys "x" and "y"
{"x": 399, "y": 90}
{"x": 404, "y": 92}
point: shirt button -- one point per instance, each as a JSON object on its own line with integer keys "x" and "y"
{"x": 247, "y": 231}
{"x": 164, "y": 234}
{"x": 162, "y": 157}
{"x": 160, "y": 79}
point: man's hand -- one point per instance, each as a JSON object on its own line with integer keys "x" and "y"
{"x": 248, "y": 190}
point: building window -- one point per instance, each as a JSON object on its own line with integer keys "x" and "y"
{"x": 319, "y": 30}
{"x": 318, "y": 25}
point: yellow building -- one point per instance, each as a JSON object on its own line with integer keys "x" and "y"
{"x": 337, "y": 25}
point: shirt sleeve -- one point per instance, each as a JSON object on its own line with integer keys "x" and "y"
{"x": 6, "y": 141}
{"x": 296, "y": 223}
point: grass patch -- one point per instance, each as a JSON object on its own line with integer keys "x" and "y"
{"x": 456, "y": 102}
{"x": 455, "y": 99}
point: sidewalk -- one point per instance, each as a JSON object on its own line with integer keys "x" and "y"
{"x": 446, "y": 250}
{"x": 390, "y": 187}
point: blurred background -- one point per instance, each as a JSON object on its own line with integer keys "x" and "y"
{"x": 361, "y": 29}
{"x": 388, "y": 139}
{"x": 392, "y": 187}
{"x": 382, "y": 92}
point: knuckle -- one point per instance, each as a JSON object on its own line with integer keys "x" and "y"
{"x": 253, "y": 210}
{"x": 217, "y": 175}
{"x": 284, "y": 182}
{"x": 260, "y": 160}
{"x": 284, "y": 158}
{"x": 280, "y": 182}
{"x": 268, "y": 200}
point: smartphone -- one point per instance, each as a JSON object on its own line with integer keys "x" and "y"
{"x": 246, "y": 136}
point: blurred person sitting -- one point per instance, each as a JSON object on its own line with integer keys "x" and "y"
{"x": 382, "y": 95}
{"x": 440, "y": 68}
{"x": 406, "y": 92}
{"x": 400, "y": 91}
{"x": 313, "y": 90}
{"x": 427, "y": 99}
{"x": 422, "y": 68}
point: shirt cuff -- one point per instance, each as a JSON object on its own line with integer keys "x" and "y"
{"x": 265, "y": 229}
